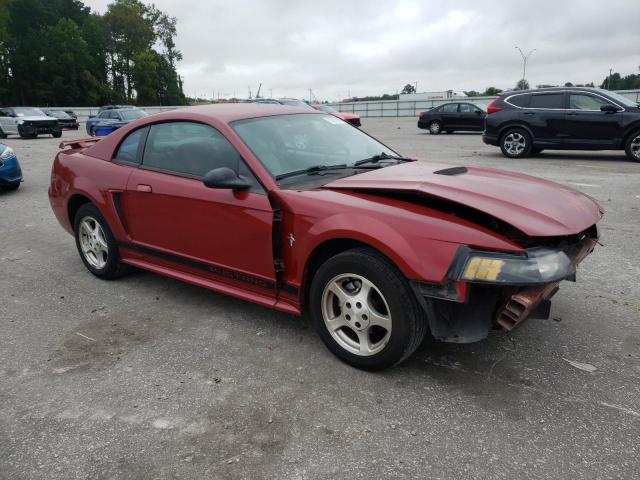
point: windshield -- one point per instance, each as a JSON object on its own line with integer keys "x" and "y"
{"x": 288, "y": 143}
{"x": 29, "y": 112}
{"x": 626, "y": 101}
{"x": 294, "y": 102}
{"x": 58, "y": 114}
{"x": 132, "y": 114}
{"x": 328, "y": 109}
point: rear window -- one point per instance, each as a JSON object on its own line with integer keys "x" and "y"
{"x": 547, "y": 100}
{"x": 521, "y": 101}
{"x": 450, "y": 108}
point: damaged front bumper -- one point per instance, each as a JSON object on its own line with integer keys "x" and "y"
{"x": 488, "y": 289}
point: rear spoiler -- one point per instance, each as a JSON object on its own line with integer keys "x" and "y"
{"x": 82, "y": 143}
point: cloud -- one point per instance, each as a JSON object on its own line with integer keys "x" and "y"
{"x": 364, "y": 48}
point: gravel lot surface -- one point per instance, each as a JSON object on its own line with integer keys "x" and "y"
{"x": 147, "y": 377}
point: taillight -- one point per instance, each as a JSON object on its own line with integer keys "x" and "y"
{"x": 421, "y": 115}
{"x": 491, "y": 108}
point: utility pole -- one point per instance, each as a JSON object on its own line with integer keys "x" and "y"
{"x": 416, "y": 87}
{"x": 609, "y": 79}
{"x": 524, "y": 61}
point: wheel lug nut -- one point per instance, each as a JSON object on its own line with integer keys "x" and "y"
{"x": 348, "y": 305}
{"x": 358, "y": 305}
{"x": 348, "y": 317}
{"x": 357, "y": 324}
{"x": 364, "y": 317}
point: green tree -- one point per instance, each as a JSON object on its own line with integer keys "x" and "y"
{"x": 492, "y": 92}
{"x": 408, "y": 88}
{"x": 522, "y": 84}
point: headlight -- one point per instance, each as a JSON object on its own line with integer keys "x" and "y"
{"x": 7, "y": 154}
{"x": 536, "y": 266}
{"x": 20, "y": 122}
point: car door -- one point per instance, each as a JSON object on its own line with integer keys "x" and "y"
{"x": 449, "y": 115}
{"x": 546, "y": 117}
{"x": 221, "y": 234}
{"x": 470, "y": 117}
{"x": 588, "y": 126}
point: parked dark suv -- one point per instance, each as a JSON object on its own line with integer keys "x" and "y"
{"x": 527, "y": 121}
{"x": 450, "y": 117}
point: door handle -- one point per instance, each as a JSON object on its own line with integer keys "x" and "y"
{"x": 529, "y": 113}
{"x": 144, "y": 188}
{"x": 573, "y": 114}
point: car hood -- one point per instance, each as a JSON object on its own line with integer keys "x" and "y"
{"x": 536, "y": 207}
{"x": 35, "y": 118}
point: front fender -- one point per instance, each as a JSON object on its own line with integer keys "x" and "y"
{"x": 428, "y": 260}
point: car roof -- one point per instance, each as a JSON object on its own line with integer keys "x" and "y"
{"x": 229, "y": 112}
{"x": 221, "y": 112}
{"x": 553, "y": 89}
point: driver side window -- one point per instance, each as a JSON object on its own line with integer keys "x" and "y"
{"x": 191, "y": 149}
{"x": 579, "y": 101}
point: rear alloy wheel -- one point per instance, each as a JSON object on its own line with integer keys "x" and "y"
{"x": 365, "y": 311}
{"x": 632, "y": 147}
{"x": 56, "y": 134}
{"x": 435, "y": 127}
{"x": 2, "y": 134}
{"x": 515, "y": 143}
{"x": 96, "y": 244}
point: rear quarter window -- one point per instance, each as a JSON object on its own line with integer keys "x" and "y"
{"x": 521, "y": 101}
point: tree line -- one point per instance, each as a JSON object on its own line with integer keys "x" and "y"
{"x": 60, "y": 53}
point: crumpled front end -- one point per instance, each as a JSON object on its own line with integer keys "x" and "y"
{"x": 488, "y": 289}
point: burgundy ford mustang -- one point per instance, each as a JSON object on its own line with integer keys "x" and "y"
{"x": 297, "y": 210}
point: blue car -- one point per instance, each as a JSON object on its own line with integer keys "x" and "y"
{"x": 113, "y": 118}
{"x": 10, "y": 172}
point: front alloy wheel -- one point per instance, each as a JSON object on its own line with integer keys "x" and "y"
{"x": 356, "y": 314}
{"x": 435, "y": 128}
{"x": 365, "y": 310}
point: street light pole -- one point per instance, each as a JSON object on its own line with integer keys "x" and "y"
{"x": 524, "y": 61}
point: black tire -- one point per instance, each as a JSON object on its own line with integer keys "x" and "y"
{"x": 408, "y": 319}
{"x": 435, "y": 127}
{"x": 11, "y": 187}
{"x": 519, "y": 135}
{"x": 632, "y": 146}
{"x": 56, "y": 134}
{"x": 2, "y": 134}
{"x": 113, "y": 268}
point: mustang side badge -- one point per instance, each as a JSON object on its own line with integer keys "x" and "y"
{"x": 292, "y": 239}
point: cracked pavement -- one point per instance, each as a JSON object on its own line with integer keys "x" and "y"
{"x": 147, "y": 377}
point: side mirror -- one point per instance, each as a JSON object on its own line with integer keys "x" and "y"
{"x": 478, "y": 112}
{"x": 224, "y": 177}
{"x": 608, "y": 108}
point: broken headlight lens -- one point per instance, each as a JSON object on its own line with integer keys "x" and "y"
{"x": 537, "y": 265}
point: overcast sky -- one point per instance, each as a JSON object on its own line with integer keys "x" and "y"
{"x": 363, "y": 48}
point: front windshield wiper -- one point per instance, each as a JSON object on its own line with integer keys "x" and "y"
{"x": 311, "y": 170}
{"x": 381, "y": 156}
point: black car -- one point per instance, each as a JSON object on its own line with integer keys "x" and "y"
{"x": 527, "y": 121}
{"x": 449, "y": 117}
{"x": 64, "y": 119}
